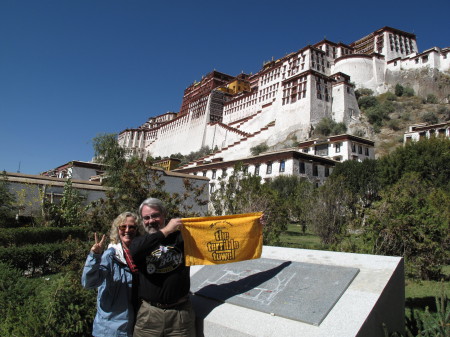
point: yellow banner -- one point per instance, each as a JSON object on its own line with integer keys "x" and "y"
{"x": 222, "y": 239}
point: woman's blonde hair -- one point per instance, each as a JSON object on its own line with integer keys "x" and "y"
{"x": 114, "y": 232}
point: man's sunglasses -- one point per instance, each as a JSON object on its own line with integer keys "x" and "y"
{"x": 130, "y": 227}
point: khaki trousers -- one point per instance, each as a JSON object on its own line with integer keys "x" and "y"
{"x": 156, "y": 322}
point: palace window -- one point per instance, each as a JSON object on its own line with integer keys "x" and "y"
{"x": 282, "y": 165}
{"x": 269, "y": 168}
{"x": 321, "y": 150}
{"x": 337, "y": 147}
{"x": 301, "y": 168}
{"x": 315, "y": 171}
{"x": 213, "y": 174}
{"x": 257, "y": 170}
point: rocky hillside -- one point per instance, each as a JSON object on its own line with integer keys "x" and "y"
{"x": 427, "y": 101}
{"x": 408, "y": 111}
{"x": 429, "y": 104}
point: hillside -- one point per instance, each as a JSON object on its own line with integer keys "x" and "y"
{"x": 430, "y": 103}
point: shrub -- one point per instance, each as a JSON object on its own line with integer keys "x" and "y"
{"x": 430, "y": 118}
{"x": 406, "y": 116}
{"x": 426, "y": 323}
{"x": 431, "y": 99}
{"x": 43, "y": 258}
{"x": 408, "y": 92}
{"x": 394, "y": 124}
{"x": 327, "y": 127}
{"x": 363, "y": 92}
{"x": 256, "y": 150}
{"x": 339, "y": 128}
{"x": 399, "y": 90}
{"x": 366, "y": 102}
{"x": 377, "y": 128}
{"x": 444, "y": 111}
{"x": 27, "y": 235}
{"x": 389, "y": 96}
{"x": 359, "y": 133}
{"x": 58, "y": 306}
{"x": 375, "y": 115}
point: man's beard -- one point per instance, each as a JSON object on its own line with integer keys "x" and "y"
{"x": 151, "y": 229}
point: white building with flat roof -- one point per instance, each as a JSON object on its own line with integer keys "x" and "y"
{"x": 417, "y": 132}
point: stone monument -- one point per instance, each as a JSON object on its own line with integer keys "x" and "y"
{"x": 298, "y": 292}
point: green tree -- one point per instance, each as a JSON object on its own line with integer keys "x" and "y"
{"x": 244, "y": 193}
{"x": 70, "y": 211}
{"x": 360, "y": 179}
{"x": 412, "y": 220}
{"x": 131, "y": 181}
{"x": 428, "y": 157}
{"x": 330, "y": 211}
{"x": 296, "y": 194}
{"x": 7, "y": 201}
{"x": 108, "y": 152}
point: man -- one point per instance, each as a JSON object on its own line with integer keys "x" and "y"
{"x": 164, "y": 280}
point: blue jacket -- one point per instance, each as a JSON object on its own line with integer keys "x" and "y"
{"x": 110, "y": 274}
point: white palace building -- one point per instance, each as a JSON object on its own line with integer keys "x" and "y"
{"x": 287, "y": 97}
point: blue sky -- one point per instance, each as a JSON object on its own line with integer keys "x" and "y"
{"x": 73, "y": 69}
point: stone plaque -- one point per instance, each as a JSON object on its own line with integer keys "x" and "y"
{"x": 300, "y": 291}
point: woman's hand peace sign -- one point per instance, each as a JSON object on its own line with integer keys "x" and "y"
{"x": 97, "y": 248}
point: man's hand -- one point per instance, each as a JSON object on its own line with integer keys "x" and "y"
{"x": 172, "y": 226}
{"x": 263, "y": 220}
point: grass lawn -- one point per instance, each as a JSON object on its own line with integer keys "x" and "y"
{"x": 419, "y": 294}
{"x": 295, "y": 238}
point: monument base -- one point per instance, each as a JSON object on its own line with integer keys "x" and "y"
{"x": 298, "y": 292}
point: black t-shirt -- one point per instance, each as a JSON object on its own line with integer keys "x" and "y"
{"x": 163, "y": 276}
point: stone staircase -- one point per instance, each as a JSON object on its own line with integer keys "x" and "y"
{"x": 243, "y": 142}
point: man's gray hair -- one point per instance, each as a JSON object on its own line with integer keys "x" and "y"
{"x": 154, "y": 203}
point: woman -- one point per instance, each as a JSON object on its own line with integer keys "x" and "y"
{"x": 112, "y": 273}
